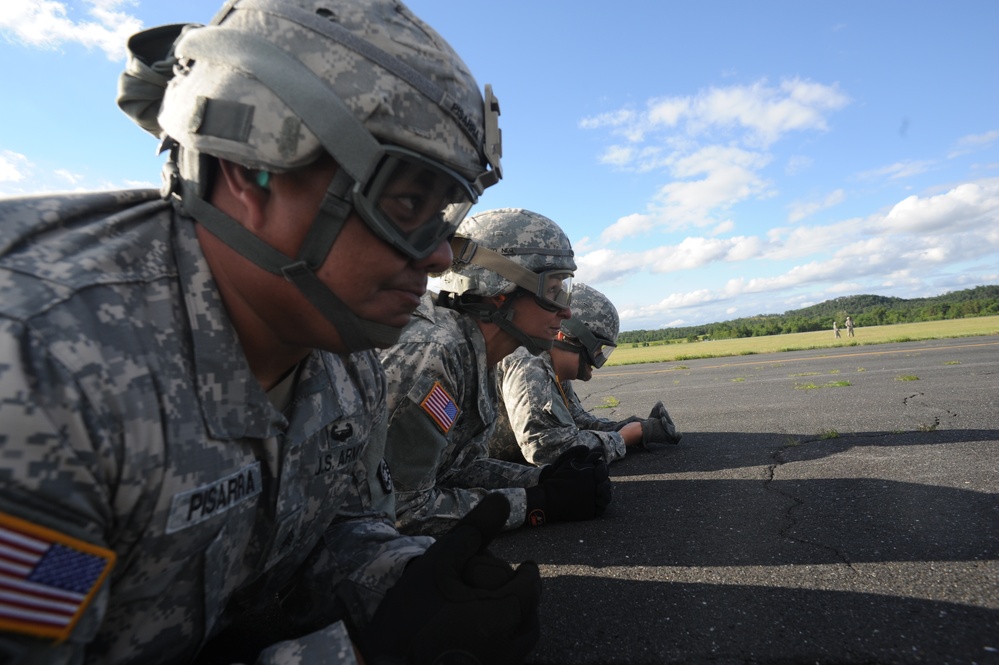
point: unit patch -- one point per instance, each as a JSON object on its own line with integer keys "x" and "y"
{"x": 47, "y": 578}
{"x": 205, "y": 502}
{"x": 441, "y": 407}
{"x": 385, "y": 477}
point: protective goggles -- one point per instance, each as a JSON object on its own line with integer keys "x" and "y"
{"x": 554, "y": 290}
{"x": 597, "y": 349}
{"x": 551, "y": 289}
{"x": 412, "y": 202}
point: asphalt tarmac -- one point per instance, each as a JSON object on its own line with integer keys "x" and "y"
{"x": 828, "y": 506}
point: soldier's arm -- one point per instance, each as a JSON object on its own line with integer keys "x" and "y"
{"x": 52, "y": 498}
{"x": 540, "y": 418}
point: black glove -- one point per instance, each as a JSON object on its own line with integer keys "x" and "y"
{"x": 576, "y": 486}
{"x": 457, "y": 603}
{"x": 659, "y": 428}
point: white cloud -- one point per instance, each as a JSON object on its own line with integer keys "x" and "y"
{"x": 713, "y": 145}
{"x": 802, "y": 209}
{"x": 895, "y": 249}
{"x": 899, "y": 170}
{"x": 629, "y": 225}
{"x": 723, "y": 227}
{"x": 763, "y": 111}
{"x": 668, "y": 112}
{"x": 49, "y": 24}
{"x": 960, "y": 208}
{"x": 12, "y": 166}
{"x": 714, "y": 177}
{"x": 618, "y": 155}
{"x": 768, "y": 112}
{"x": 612, "y": 119}
{"x": 68, "y": 176}
{"x": 797, "y": 163}
{"x": 974, "y": 142}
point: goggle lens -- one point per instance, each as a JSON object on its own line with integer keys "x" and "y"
{"x": 554, "y": 291}
{"x": 413, "y": 203}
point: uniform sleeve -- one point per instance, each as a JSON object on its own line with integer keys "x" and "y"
{"x": 539, "y": 416}
{"x": 585, "y": 419}
{"x": 329, "y": 646}
{"x": 440, "y": 477}
{"x": 52, "y": 494}
{"x": 366, "y": 550}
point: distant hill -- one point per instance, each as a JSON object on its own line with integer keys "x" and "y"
{"x": 866, "y": 310}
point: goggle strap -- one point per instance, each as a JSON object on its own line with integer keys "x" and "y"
{"x": 327, "y": 225}
{"x": 467, "y": 251}
{"x": 231, "y": 232}
{"x": 566, "y": 346}
{"x": 500, "y": 316}
{"x": 320, "y": 109}
{"x": 591, "y": 344}
{"x": 354, "y": 332}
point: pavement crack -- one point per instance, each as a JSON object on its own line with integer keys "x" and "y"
{"x": 791, "y": 519}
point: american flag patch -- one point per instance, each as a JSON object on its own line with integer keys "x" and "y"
{"x": 47, "y": 579}
{"x": 440, "y": 406}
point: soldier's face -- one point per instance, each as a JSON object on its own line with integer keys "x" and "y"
{"x": 374, "y": 280}
{"x": 538, "y": 321}
{"x": 565, "y": 363}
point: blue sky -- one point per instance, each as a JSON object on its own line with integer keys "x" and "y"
{"x": 708, "y": 160}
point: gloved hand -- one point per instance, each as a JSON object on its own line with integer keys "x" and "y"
{"x": 658, "y": 428}
{"x": 576, "y": 486}
{"x": 457, "y": 603}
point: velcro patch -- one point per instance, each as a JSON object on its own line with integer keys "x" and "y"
{"x": 47, "y": 579}
{"x": 441, "y": 407}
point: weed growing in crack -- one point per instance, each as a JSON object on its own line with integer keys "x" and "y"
{"x": 814, "y": 386}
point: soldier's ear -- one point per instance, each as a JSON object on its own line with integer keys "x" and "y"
{"x": 240, "y": 187}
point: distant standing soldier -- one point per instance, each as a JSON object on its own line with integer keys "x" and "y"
{"x": 849, "y": 327}
{"x": 836, "y": 328}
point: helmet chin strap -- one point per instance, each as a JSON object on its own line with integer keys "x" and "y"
{"x": 501, "y": 316}
{"x": 357, "y": 334}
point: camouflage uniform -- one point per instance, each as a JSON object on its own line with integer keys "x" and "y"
{"x": 132, "y": 428}
{"x": 540, "y": 417}
{"x": 442, "y": 413}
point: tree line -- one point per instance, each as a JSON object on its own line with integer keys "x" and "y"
{"x": 866, "y": 310}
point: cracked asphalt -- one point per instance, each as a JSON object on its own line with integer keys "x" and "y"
{"x": 828, "y": 506}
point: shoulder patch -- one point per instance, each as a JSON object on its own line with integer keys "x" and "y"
{"x": 47, "y": 579}
{"x": 441, "y": 407}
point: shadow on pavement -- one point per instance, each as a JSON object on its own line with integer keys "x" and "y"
{"x": 705, "y": 623}
{"x": 732, "y": 450}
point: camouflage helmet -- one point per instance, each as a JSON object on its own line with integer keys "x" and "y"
{"x": 504, "y": 251}
{"x": 272, "y": 84}
{"x": 593, "y": 327}
{"x": 499, "y": 250}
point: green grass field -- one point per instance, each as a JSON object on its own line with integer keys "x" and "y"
{"x": 630, "y": 354}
